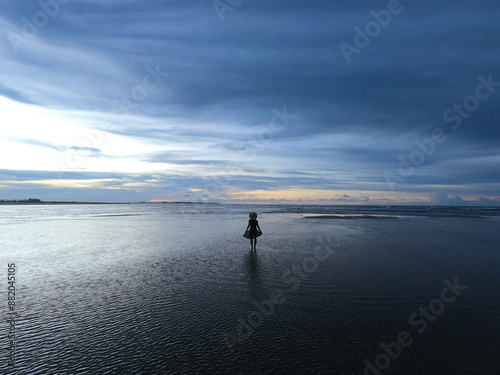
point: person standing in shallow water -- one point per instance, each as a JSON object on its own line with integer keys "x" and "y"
{"x": 253, "y": 230}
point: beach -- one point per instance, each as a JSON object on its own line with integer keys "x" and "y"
{"x": 173, "y": 289}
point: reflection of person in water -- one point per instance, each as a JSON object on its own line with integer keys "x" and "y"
{"x": 253, "y": 230}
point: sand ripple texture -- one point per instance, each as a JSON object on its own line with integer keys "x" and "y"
{"x": 134, "y": 290}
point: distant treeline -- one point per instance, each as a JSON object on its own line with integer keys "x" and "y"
{"x": 39, "y": 201}
{"x": 29, "y": 200}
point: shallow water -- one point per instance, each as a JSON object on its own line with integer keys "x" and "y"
{"x": 173, "y": 289}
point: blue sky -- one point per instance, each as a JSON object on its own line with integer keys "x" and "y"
{"x": 250, "y": 101}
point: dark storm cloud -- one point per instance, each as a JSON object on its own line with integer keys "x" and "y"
{"x": 267, "y": 55}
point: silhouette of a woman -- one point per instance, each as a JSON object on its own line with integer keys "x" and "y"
{"x": 253, "y": 230}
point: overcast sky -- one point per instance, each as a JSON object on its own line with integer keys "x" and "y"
{"x": 250, "y": 101}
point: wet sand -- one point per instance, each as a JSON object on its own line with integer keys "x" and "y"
{"x": 181, "y": 293}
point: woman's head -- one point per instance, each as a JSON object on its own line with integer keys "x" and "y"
{"x": 252, "y": 215}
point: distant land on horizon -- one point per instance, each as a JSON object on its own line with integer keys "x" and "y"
{"x": 36, "y": 201}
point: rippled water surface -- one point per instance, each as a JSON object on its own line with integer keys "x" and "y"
{"x": 173, "y": 289}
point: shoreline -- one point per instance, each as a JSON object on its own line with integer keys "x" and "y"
{"x": 41, "y": 203}
{"x": 349, "y": 216}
